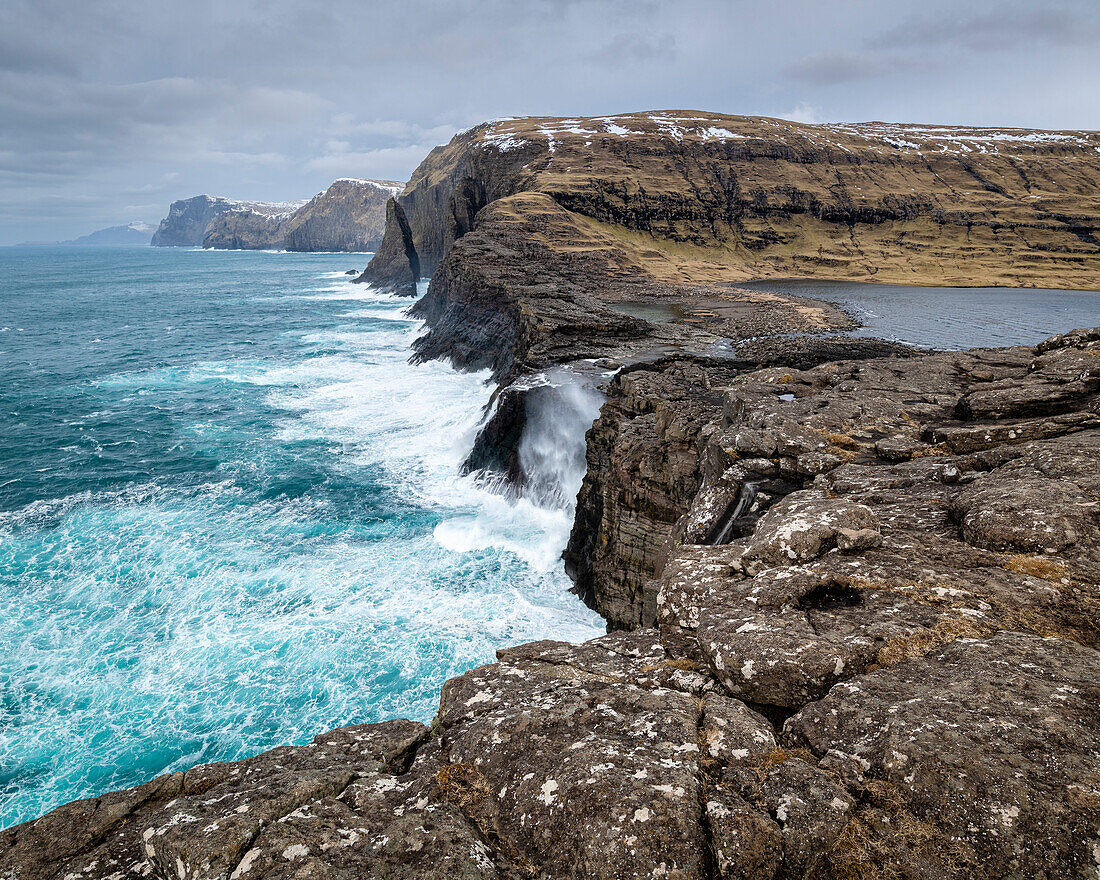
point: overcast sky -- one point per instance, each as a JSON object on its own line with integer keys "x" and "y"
{"x": 110, "y": 110}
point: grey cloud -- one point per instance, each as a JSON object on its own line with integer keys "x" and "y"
{"x": 830, "y": 68}
{"x": 838, "y": 68}
{"x": 110, "y": 106}
{"x": 635, "y": 49}
{"x": 1002, "y": 30}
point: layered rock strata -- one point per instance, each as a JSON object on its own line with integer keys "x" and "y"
{"x": 885, "y": 664}
{"x": 550, "y": 241}
{"x": 349, "y": 216}
{"x": 732, "y": 197}
{"x": 249, "y": 228}
{"x": 227, "y": 223}
{"x": 855, "y": 587}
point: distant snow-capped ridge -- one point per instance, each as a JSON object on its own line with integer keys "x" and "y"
{"x": 350, "y": 215}
{"x": 273, "y": 210}
{"x": 391, "y": 186}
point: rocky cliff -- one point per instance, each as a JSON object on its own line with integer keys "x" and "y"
{"x": 348, "y": 216}
{"x": 871, "y": 652}
{"x": 854, "y": 587}
{"x": 756, "y": 197}
{"x": 212, "y": 221}
{"x": 250, "y": 227}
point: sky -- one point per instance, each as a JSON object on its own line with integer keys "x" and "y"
{"x": 110, "y": 110}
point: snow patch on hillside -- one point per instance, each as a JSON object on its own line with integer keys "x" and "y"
{"x": 512, "y": 134}
{"x": 950, "y": 139}
{"x": 389, "y": 186}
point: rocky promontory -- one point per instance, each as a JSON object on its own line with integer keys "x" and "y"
{"x": 250, "y": 227}
{"x": 213, "y": 221}
{"x": 348, "y": 216}
{"x": 867, "y": 647}
{"x": 853, "y": 587}
{"x": 732, "y": 197}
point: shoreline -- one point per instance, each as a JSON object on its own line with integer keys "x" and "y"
{"x": 668, "y": 724}
{"x": 851, "y": 585}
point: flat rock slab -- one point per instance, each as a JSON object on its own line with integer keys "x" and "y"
{"x": 994, "y": 743}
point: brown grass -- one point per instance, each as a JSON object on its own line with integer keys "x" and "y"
{"x": 923, "y": 641}
{"x": 462, "y": 784}
{"x": 683, "y": 663}
{"x": 885, "y": 841}
{"x": 764, "y": 764}
{"x": 1037, "y": 566}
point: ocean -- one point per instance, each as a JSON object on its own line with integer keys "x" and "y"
{"x": 231, "y": 516}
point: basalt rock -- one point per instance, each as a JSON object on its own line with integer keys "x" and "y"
{"x": 348, "y": 216}
{"x": 857, "y": 585}
{"x": 615, "y": 758}
{"x": 646, "y": 461}
{"x": 976, "y": 755}
{"x": 395, "y": 267}
{"x": 246, "y": 229}
{"x": 756, "y": 197}
{"x": 227, "y": 223}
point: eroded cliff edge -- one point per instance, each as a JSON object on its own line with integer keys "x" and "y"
{"x": 883, "y": 664}
{"x": 731, "y": 197}
{"x": 348, "y": 216}
{"x": 856, "y": 586}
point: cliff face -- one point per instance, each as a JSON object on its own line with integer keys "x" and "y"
{"x": 644, "y": 465}
{"x": 540, "y": 233}
{"x": 758, "y": 197}
{"x": 210, "y": 221}
{"x": 349, "y": 216}
{"x": 439, "y": 205}
{"x": 874, "y": 655}
{"x": 187, "y": 220}
{"x": 856, "y": 584}
{"x": 246, "y": 230}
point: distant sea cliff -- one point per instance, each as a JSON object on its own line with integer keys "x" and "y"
{"x": 348, "y": 216}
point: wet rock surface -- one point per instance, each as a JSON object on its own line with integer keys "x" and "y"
{"x": 870, "y": 676}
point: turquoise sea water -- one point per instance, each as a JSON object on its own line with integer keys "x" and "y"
{"x": 231, "y": 517}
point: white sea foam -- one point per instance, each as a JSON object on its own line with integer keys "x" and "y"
{"x": 334, "y": 568}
